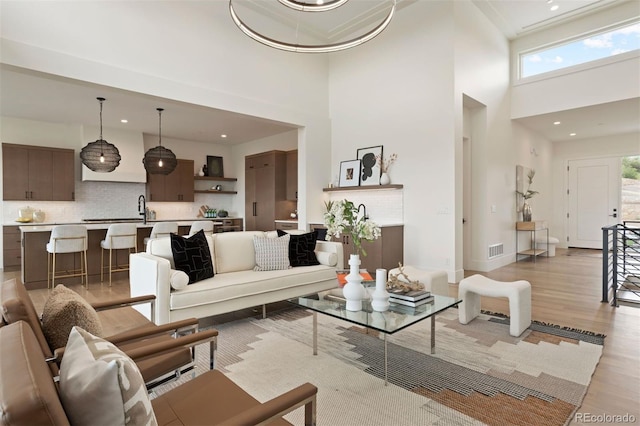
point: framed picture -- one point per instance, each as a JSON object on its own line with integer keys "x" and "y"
{"x": 370, "y": 167}
{"x": 350, "y": 173}
{"x": 214, "y": 166}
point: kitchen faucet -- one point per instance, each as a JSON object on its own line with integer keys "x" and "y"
{"x": 365, "y": 217}
{"x": 142, "y": 208}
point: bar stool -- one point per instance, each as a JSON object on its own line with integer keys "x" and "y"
{"x": 119, "y": 236}
{"x": 162, "y": 229}
{"x": 67, "y": 239}
{"x": 204, "y": 225}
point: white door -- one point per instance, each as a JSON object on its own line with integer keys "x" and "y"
{"x": 594, "y": 200}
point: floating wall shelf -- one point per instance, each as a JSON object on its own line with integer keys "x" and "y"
{"x": 363, "y": 188}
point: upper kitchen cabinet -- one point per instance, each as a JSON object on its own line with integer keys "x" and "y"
{"x": 176, "y": 186}
{"x": 265, "y": 190}
{"x": 37, "y": 173}
{"x": 292, "y": 175}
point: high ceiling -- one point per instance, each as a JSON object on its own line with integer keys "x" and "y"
{"x": 39, "y": 97}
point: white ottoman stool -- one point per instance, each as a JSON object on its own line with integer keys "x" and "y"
{"x": 541, "y": 244}
{"x": 518, "y": 292}
{"x": 437, "y": 282}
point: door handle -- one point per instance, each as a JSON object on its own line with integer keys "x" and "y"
{"x": 614, "y": 215}
{"x": 254, "y": 209}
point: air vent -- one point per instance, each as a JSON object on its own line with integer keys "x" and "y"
{"x": 496, "y": 250}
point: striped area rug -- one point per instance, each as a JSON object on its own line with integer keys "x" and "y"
{"x": 479, "y": 374}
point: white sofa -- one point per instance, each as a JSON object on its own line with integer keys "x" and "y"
{"x": 235, "y": 284}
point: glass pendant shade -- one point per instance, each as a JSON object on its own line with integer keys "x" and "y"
{"x": 100, "y": 156}
{"x": 159, "y": 160}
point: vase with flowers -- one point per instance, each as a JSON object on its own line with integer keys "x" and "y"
{"x": 385, "y": 164}
{"x": 528, "y": 194}
{"x": 343, "y": 217}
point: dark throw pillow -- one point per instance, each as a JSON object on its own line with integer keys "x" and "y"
{"x": 301, "y": 248}
{"x": 192, "y": 256}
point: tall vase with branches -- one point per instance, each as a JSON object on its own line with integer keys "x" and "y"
{"x": 528, "y": 194}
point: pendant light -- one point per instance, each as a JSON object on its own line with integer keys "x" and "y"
{"x": 159, "y": 160}
{"x": 304, "y": 6}
{"x": 100, "y": 156}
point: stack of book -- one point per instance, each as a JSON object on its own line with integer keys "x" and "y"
{"x": 412, "y": 298}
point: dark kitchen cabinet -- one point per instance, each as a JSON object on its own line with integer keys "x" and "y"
{"x": 37, "y": 173}
{"x": 265, "y": 190}
{"x": 176, "y": 186}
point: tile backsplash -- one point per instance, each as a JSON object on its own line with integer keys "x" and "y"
{"x": 107, "y": 200}
{"x": 384, "y": 206}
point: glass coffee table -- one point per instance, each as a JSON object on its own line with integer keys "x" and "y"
{"x": 397, "y": 318}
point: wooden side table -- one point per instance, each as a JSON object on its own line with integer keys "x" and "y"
{"x": 532, "y": 227}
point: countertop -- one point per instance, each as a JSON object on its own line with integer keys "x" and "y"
{"x": 286, "y": 220}
{"x": 46, "y": 227}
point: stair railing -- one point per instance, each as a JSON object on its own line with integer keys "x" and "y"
{"x": 620, "y": 260}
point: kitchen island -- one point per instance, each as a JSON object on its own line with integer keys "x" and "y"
{"x": 35, "y": 238}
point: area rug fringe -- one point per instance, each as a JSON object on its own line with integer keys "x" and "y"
{"x": 599, "y": 337}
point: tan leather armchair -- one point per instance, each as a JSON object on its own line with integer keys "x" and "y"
{"x": 29, "y": 395}
{"x": 170, "y": 348}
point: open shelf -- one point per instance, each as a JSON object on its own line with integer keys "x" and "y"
{"x": 532, "y": 252}
{"x": 363, "y": 188}
{"x": 213, "y": 191}
{"x": 214, "y": 178}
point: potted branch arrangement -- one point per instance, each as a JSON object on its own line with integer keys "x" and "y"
{"x": 528, "y": 194}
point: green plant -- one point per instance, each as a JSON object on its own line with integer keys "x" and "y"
{"x": 342, "y": 218}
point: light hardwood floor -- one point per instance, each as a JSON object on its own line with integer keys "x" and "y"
{"x": 566, "y": 290}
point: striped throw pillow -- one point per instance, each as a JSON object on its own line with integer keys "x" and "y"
{"x": 272, "y": 254}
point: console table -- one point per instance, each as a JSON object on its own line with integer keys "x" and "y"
{"x": 532, "y": 228}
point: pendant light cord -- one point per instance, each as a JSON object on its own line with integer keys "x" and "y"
{"x": 101, "y": 139}
{"x": 160, "y": 129}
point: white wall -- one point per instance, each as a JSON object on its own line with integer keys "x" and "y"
{"x": 410, "y": 101}
{"x": 398, "y": 92}
{"x": 482, "y": 74}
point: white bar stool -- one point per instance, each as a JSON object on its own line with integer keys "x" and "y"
{"x": 119, "y": 236}
{"x": 67, "y": 239}
{"x": 204, "y": 225}
{"x": 162, "y": 229}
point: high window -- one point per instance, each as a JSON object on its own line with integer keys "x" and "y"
{"x": 579, "y": 51}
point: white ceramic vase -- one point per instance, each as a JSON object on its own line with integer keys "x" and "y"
{"x": 353, "y": 290}
{"x": 380, "y": 297}
{"x": 385, "y": 179}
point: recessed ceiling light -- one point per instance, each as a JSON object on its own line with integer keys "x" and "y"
{"x": 554, "y": 7}
{"x": 572, "y": 134}
{"x": 124, "y": 120}
{"x": 556, "y": 123}
{"x": 223, "y": 136}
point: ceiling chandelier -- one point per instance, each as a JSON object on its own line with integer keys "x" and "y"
{"x": 311, "y": 48}
{"x": 159, "y": 160}
{"x": 100, "y": 156}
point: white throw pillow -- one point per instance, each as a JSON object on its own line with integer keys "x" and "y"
{"x": 178, "y": 279}
{"x": 100, "y": 385}
{"x": 327, "y": 259}
{"x": 272, "y": 254}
